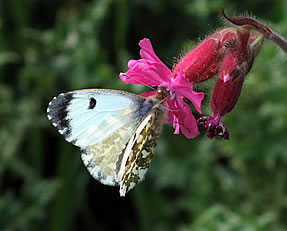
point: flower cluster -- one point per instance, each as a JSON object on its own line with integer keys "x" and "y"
{"x": 229, "y": 54}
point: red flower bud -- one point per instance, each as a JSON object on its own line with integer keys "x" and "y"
{"x": 235, "y": 66}
{"x": 200, "y": 63}
{"x": 225, "y": 95}
{"x": 204, "y": 61}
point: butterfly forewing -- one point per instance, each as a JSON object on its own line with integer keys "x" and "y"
{"x": 101, "y": 123}
{"x": 86, "y": 117}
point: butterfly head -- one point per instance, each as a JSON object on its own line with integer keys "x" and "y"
{"x": 162, "y": 93}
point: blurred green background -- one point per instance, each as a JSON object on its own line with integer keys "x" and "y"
{"x": 48, "y": 47}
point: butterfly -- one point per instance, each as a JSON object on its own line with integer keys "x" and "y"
{"x": 115, "y": 130}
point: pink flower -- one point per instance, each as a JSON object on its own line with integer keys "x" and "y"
{"x": 150, "y": 70}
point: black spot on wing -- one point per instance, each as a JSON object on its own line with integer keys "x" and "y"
{"x": 58, "y": 113}
{"x": 93, "y": 103}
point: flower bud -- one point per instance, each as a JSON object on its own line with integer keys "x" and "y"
{"x": 235, "y": 66}
{"x": 204, "y": 61}
{"x": 200, "y": 63}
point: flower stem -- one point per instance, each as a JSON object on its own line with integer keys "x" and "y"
{"x": 255, "y": 24}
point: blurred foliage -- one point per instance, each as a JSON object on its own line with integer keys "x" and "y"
{"x": 49, "y": 47}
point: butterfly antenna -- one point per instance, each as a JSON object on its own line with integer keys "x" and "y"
{"x": 138, "y": 81}
{"x": 172, "y": 110}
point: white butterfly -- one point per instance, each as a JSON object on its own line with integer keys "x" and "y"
{"x": 115, "y": 130}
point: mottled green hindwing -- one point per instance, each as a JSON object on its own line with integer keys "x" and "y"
{"x": 140, "y": 154}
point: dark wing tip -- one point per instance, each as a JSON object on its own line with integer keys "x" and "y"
{"x": 57, "y": 113}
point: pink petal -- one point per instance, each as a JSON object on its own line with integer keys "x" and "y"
{"x": 187, "y": 122}
{"x": 183, "y": 87}
{"x": 147, "y": 51}
{"x": 146, "y": 72}
{"x": 171, "y": 117}
{"x": 195, "y": 98}
{"x": 183, "y": 119}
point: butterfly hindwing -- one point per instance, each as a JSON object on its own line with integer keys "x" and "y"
{"x": 138, "y": 154}
{"x": 101, "y": 123}
{"x": 101, "y": 158}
